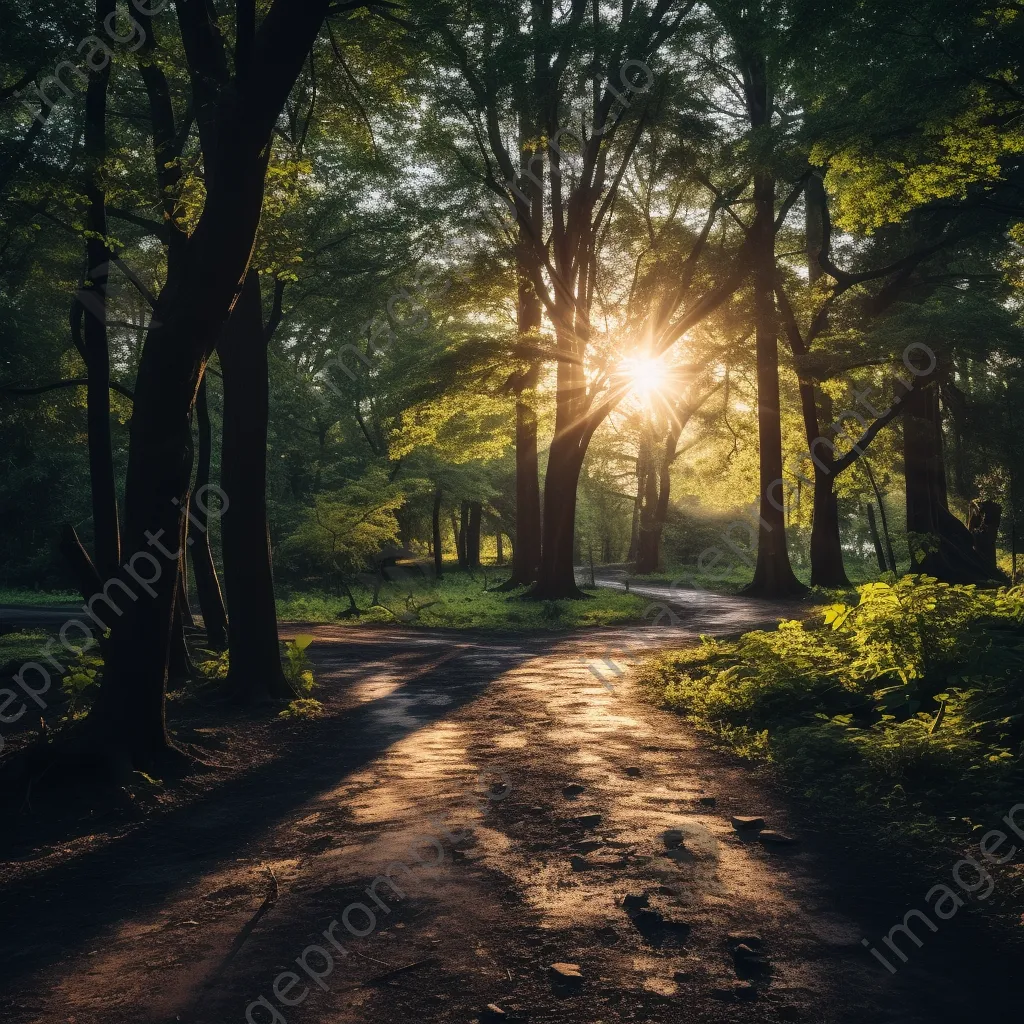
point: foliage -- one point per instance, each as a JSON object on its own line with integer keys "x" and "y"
{"x": 304, "y": 708}
{"x": 460, "y": 601}
{"x": 908, "y": 698}
{"x": 80, "y": 682}
{"x": 297, "y": 669}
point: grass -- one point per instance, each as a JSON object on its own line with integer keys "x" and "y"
{"x": 459, "y": 601}
{"x": 37, "y": 598}
{"x": 898, "y": 714}
{"x": 24, "y": 645}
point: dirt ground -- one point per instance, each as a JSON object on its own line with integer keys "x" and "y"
{"x": 530, "y": 809}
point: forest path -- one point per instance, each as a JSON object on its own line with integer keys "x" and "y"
{"x": 480, "y": 736}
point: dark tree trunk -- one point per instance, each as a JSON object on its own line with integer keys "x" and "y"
{"x": 127, "y": 724}
{"x": 875, "y": 539}
{"x": 983, "y": 525}
{"x": 649, "y": 535}
{"x": 255, "y": 671}
{"x": 827, "y": 569}
{"x": 93, "y": 299}
{"x": 435, "y": 526}
{"x": 211, "y": 602}
{"x": 462, "y": 537}
{"x": 557, "y": 578}
{"x": 527, "y": 552}
{"x": 526, "y": 555}
{"x": 890, "y": 554}
{"x": 773, "y": 574}
{"x": 473, "y": 536}
{"x": 499, "y": 548}
{"x": 940, "y": 545}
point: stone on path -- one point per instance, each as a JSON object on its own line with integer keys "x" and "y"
{"x": 742, "y": 823}
{"x": 773, "y": 838}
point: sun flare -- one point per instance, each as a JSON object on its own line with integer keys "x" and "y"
{"x": 646, "y": 376}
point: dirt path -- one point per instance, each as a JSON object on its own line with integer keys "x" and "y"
{"x": 447, "y": 757}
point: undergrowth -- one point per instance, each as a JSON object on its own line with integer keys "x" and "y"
{"x": 463, "y": 601}
{"x": 901, "y": 712}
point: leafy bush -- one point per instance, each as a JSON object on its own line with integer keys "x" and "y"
{"x": 303, "y": 708}
{"x": 910, "y": 698}
{"x": 297, "y": 669}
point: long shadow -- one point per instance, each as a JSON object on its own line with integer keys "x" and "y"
{"x": 51, "y": 915}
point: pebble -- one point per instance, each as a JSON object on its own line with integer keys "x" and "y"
{"x": 633, "y": 772}
{"x": 566, "y": 975}
{"x": 744, "y": 824}
{"x": 776, "y": 838}
{"x": 573, "y": 789}
{"x": 589, "y": 820}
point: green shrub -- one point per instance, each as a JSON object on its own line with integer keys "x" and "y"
{"x": 908, "y": 698}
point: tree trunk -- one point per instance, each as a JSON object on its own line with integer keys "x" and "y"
{"x": 93, "y": 299}
{"x": 435, "y": 526}
{"x": 983, "y": 525}
{"x": 462, "y": 541}
{"x": 557, "y": 578}
{"x": 473, "y": 536}
{"x": 773, "y": 575}
{"x": 211, "y": 601}
{"x": 255, "y": 671}
{"x": 527, "y": 551}
{"x": 890, "y": 554}
{"x": 127, "y": 724}
{"x": 940, "y": 545}
{"x": 875, "y": 539}
{"x": 499, "y": 548}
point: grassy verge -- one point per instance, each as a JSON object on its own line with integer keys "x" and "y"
{"x": 900, "y": 715}
{"x": 460, "y": 601}
{"x": 24, "y": 645}
{"x": 37, "y": 598}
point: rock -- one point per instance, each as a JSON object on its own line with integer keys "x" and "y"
{"x": 565, "y": 972}
{"x": 745, "y": 824}
{"x": 609, "y": 860}
{"x": 633, "y": 902}
{"x": 744, "y": 992}
{"x": 672, "y": 838}
{"x": 707, "y": 801}
{"x": 493, "y": 1014}
{"x": 738, "y": 991}
{"x": 745, "y": 939}
{"x": 589, "y": 820}
{"x": 633, "y": 772}
{"x": 565, "y": 976}
{"x": 609, "y": 935}
{"x": 589, "y": 845}
{"x": 657, "y": 929}
{"x": 772, "y": 838}
{"x": 580, "y": 863}
{"x": 748, "y": 963}
{"x": 572, "y": 790}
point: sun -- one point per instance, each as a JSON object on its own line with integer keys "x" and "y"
{"x": 646, "y": 377}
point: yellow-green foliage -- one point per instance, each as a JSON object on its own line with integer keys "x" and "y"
{"x": 303, "y": 708}
{"x": 297, "y": 668}
{"x": 910, "y": 697}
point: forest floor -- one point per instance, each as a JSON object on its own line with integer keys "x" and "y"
{"x": 529, "y": 790}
